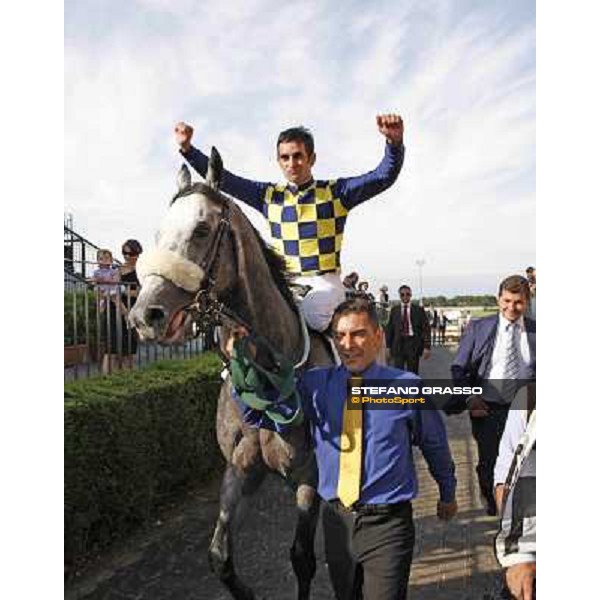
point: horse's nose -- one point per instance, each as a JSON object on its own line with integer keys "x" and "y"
{"x": 154, "y": 315}
{"x": 147, "y": 321}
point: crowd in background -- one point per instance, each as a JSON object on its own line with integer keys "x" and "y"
{"x": 117, "y": 287}
{"x": 496, "y": 352}
{"x": 438, "y": 320}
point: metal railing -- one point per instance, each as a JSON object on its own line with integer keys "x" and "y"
{"x": 79, "y": 253}
{"x": 97, "y": 337}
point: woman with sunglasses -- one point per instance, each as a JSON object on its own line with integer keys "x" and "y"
{"x": 131, "y": 250}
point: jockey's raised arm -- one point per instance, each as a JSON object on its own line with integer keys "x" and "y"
{"x": 355, "y": 190}
{"x": 307, "y": 217}
{"x": 246, "y": 190}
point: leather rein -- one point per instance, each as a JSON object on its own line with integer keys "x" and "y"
{"x": 206, "y": 309}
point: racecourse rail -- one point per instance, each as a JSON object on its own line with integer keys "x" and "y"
{"x": 89, "y": 331}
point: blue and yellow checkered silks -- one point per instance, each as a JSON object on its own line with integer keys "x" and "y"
{"x": 307, "y": 226}
{"x": 307, "y": 223}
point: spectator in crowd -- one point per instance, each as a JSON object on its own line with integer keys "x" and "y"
{"x": 110, "y": 304}
{"x": 442, "y": 323}
{"x": 131, "y": 250}
{"x": 435, "y": 321}
{"x": 367, "y": 475}
{"x": 363, "y": 291}
{"x": 106, "y": 276}
{"x": 531, "y": 278}
{"x": 530, "y": 274}
{"x": 384, "y": 297}
{"x": 383, "y": 310}
{"x": 465, "y": 319}
{"x": 408, "y": 335}
{"x": 307, "y": 217}
{"x": 514, "y": 477}
{"x": 350, "y": 282}
{"x": 496, "y": 353}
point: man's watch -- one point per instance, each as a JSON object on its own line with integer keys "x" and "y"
{"x": 395, "y": 144}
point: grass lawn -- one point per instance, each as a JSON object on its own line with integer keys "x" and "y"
{"x": 484, "y": 312}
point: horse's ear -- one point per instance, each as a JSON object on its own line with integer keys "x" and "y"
{"x": 215, "y": 169}
{"x": 184, "y": 178}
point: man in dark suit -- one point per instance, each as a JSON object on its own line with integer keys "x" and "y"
{"x": 408, "y": 333}
{"x": 496, "y": 353}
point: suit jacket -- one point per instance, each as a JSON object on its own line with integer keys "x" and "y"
{"x": 420, "y": 326}
{"x": 474, "y": 356}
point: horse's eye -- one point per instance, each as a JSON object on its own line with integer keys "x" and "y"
{"x": 201, "y": 230}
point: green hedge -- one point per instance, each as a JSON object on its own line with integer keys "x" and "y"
{"x": 132, "y": 441}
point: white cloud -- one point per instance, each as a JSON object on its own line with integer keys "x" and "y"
{"x": 242, "y": 71}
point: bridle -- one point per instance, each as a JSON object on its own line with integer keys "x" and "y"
{"x": 206, "y": 309}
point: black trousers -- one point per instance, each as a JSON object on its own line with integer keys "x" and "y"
{"x": 369, "y": 554}
{"x": 442, "y": 335}
{"x": 407, "y": 354}
{"x": 487, "y": 432}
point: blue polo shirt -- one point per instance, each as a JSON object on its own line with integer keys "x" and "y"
{"x": 388, "y": 471}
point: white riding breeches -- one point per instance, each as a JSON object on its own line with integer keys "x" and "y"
{"x": 326, "y": 294}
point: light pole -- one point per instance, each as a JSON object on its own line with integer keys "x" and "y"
{"x": 420, "y": 264}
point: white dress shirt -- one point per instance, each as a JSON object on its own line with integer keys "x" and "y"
{"x": 410, "y": 327}
{"x": 498, "y": 362}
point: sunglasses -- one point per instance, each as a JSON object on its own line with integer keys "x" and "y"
{"x": 406, "y": 294}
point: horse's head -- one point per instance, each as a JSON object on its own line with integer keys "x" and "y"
{"x": 192, "y": 245}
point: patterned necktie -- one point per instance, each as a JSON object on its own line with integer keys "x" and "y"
{"x": 405, "y": 328}
{"x": 512, "y": 364}
{"x": 351, "y": 438}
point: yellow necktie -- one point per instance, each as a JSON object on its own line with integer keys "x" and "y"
{"x": 351, "y": 452}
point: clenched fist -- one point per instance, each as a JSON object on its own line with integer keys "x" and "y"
{"x": 392, "y": 127}
{"x": 183, "y": 135}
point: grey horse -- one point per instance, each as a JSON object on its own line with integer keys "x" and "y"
{"x": 210, "y": 260}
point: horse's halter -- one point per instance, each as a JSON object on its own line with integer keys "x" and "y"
{"x": 206, "y": 309}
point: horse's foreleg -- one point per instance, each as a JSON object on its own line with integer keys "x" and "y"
{"x": 235, "y": 484}
{"x": 302, "y": 552}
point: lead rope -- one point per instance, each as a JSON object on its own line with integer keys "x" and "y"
{"x": 270, "y": 391}
{"x": 251, "y": 380}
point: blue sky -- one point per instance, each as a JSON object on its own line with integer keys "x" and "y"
{"x": 462, "y": 74}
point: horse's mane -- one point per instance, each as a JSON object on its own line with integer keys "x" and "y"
{"x": 275, "y": 262}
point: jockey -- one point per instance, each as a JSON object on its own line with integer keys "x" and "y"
{"x": 307, "y": 216}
